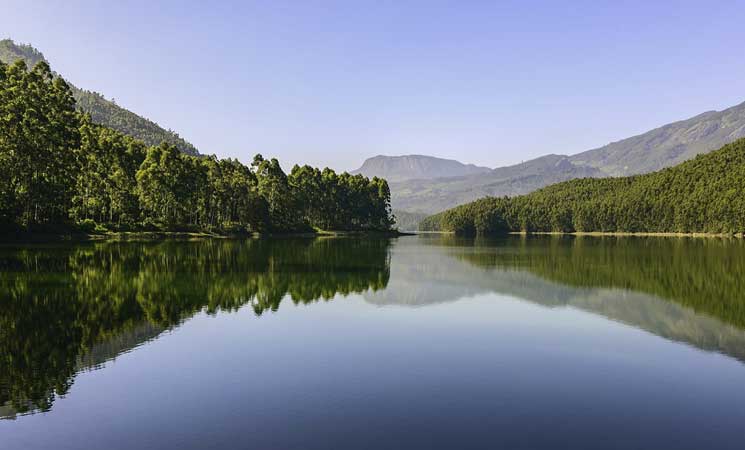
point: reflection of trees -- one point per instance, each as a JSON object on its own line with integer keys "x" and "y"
{"x": 66, "y": 308}
{"x": 702, "y": 274}
{"x": 63, "y": 307}
{"x": 437, "y": 269}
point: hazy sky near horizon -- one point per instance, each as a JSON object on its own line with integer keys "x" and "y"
{"x": 331, "y": 83}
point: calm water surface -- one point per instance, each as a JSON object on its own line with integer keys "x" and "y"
{"x": 417, "y": 342}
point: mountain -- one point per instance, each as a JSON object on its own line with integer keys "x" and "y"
{"x": 102, "y": 111}
{"x": 701, "y": 195}
{"x": 428, "y": 196}
{"x": 659, "y": 148}
{"x": 668, "y": 145}
{"x": 415, "y": 167}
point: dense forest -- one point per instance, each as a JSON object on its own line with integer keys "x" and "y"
{"x": 703, "y": 195}
{"x": 102, "y": 111}
{"x": 60, "y": 168}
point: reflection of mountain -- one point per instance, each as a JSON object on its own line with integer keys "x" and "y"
{"x": 113, "y": 346}
{"x": 682, "y": 290}
{"x": 67, "y": 309}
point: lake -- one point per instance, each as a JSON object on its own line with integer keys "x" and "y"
{"x": 427, "y": 342}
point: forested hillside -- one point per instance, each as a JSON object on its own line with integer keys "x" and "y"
{"x": 60, "y": 168}
{"x": 668, "y": 145}
{"x": 662, "y": 147}
{"x": 430, "y": 196}
{"x": 703, "y": 195}
{"x": 102, "y": 111}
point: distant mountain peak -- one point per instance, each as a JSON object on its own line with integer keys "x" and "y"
{"x": 416, "y": 167}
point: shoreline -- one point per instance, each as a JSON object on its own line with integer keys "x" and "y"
{"x": 598, "y": 234}
{"x": 629, "y": 234}
{"x": 36, "y": 237}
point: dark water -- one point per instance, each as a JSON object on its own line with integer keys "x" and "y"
{"x": 420, "y": 342}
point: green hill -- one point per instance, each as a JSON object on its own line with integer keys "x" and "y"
{"x": 102, "y": 111}
{"x": 433, "y": 195}
{"x": 656, "y": 149}
{"x": 668, "y": 145}
{"x": 703, "y": 195}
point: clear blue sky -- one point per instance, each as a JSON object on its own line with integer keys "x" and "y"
{"x": 331, "y": 83}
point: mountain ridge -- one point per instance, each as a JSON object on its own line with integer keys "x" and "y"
{"x": 701, "y": 195}
{"x": 103, "y": 111}
{"x": 661, "y": 147}
{"x": 674, "y": 143}
{"x": 415, "y": 167}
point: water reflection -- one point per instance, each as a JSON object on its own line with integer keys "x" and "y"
{"x": 686, "y": 290}
{"x": 64, "y": 309}
{"x": 68, "y": 308}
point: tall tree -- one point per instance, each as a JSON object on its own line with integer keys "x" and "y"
{"x": 62, "y": 167}
{"x": 39, "y": 132}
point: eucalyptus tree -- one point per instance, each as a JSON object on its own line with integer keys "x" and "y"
{"x": 61, "y": 167}
{"x": 38, "y": 132}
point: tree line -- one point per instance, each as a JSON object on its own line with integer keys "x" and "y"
{"x": 703, "y": 195}
{"x": 60, "y": 168}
